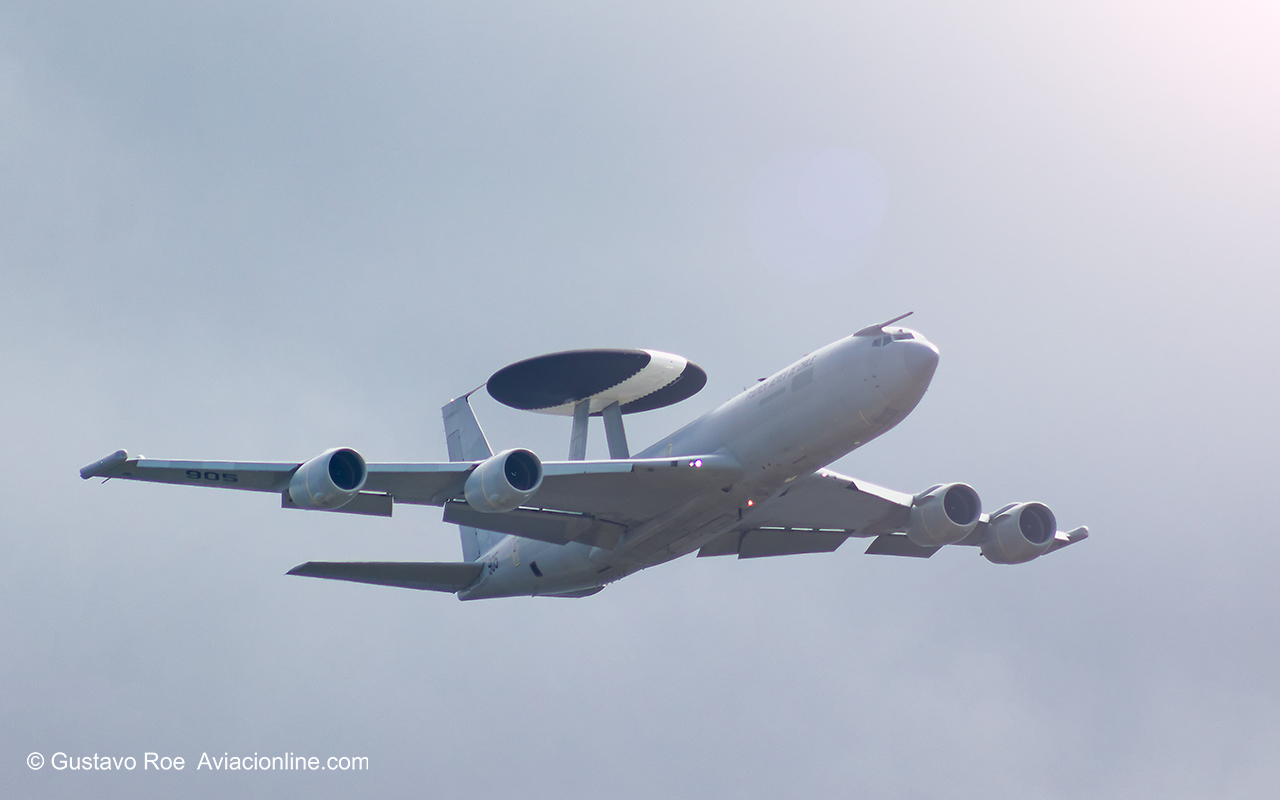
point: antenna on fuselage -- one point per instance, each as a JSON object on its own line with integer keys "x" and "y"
{"x": 872, "y": 330}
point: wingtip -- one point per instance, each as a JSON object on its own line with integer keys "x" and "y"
{"x": 103, "y": 465}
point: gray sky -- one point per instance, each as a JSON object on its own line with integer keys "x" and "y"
{"x": 258, "y": 230}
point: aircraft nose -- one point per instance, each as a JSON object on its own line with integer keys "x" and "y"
{"x": 920, "y": 357}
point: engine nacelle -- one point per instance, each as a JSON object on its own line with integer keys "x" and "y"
{"x": 328, "y": 481}
{"x": 943, "y": 515}
{"x": 503, "y": 482}
{"x": 1019, "y": 533}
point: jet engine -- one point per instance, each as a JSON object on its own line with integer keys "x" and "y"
{"x": 328, "y": 481}
{"x": 503, "y": 482}
{"x": 943, "y": 515}
{"x": 1019, "y": 533}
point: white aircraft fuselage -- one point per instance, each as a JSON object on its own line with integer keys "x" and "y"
{"x": 787, "y": 426}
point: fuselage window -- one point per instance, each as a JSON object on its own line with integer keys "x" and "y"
{"x": 898, "y": 336}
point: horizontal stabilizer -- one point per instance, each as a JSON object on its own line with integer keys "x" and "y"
{"x": 432, "y": 576}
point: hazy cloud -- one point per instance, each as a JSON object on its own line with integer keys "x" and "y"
{"x": 256, "y": 231}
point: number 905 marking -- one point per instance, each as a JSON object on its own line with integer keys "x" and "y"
{"x": 222, "y": 477}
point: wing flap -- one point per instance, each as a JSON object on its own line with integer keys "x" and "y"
{"x": 630, "y": 491}
{"x": 371, "y": 504}
{"x": 429, "y": 576}
{"x": 726, "y": 544}
{"x": 766, "y": 542}
{"x": 556, "y": 527}
{"x": 896, "y": 544}
{"x": 624, "y": 491}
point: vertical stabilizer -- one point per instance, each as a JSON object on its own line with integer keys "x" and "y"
{"x": 466, "y": 442}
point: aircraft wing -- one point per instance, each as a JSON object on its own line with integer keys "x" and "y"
{"x": 591, "y": 502}
{"x": 819, "y": 512}
{"x": 618, "y": 491}
{"x": 816, "y": 514}
{"x": 422, "y": 480}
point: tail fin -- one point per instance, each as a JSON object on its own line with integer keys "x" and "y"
{"x": 466, "y": 442}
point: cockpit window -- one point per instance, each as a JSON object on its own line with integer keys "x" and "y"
{"x": 893, "y": 337}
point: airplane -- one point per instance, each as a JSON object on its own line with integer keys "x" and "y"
{"x": 749, "y": 478}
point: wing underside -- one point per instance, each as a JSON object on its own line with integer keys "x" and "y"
{"x": 822, "y": 511}
{"x": 816, "y": 514}
{"x": 617, "y": 492}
